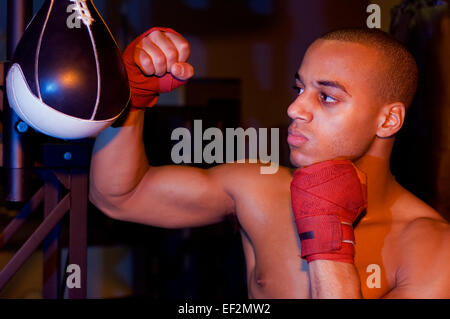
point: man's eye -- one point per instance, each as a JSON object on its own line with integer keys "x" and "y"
{"x": 299, "y": 90}
{"x": 327, "y": 99}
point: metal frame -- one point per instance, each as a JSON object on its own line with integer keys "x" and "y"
{"x": 48, "y": 232}
{"x": 70, "y": 175}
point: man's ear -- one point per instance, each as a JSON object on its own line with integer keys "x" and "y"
{"x": 391, "y": 120}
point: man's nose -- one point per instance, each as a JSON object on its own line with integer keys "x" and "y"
{"x": 300, "y": 109}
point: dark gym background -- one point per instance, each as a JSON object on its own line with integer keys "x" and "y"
{"x": 245, "y": 53}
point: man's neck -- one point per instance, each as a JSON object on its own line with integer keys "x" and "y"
{"x": 380, "y": 182}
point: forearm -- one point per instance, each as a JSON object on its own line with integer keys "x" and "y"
{"x": 334, "y": 280}
{"x": 327, "y": 198}
{"x": 119, "y": 161}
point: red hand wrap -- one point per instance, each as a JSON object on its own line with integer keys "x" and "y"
{"x": 326, "y": 200}
{"x": 145, "y": 89}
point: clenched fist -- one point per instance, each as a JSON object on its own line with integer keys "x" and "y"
{"x": 156, "y": 63}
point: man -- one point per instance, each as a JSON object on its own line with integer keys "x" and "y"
{"x": 354, "y": 88}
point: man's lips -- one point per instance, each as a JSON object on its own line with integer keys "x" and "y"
{"x": 296, "y": 138}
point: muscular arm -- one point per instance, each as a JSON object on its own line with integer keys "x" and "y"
{"x": 327, "y": 197}
{"x": 333, "y": 280}
{"x": 124, "y": 186}
{"x": 122, "y": 183}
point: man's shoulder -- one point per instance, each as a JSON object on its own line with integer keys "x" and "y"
{"x": 426, "y": 232}
{"x": 415, "y": 211}
{"x": 252, "y": 172}
{"x": 423, "y": 259}
{"x": 423, "y": 226}
{"x": 244, "y": 179}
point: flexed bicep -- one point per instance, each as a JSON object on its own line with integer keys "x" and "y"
{"x": 175, "y": 197}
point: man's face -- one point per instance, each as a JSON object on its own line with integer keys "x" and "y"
{"x": 335, "y": 112}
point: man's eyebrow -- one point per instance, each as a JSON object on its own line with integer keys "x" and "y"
{"x": 333, "y": 84}
{"x": 298, "y": 78}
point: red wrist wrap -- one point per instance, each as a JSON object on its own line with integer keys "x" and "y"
{"x": 146, "y": 89}
{"x": 326, "y": 200}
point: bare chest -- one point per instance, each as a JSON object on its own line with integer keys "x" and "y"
{"x": 376, "y": 259}
{"x": 272, "y": 251}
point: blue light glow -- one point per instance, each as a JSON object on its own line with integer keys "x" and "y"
{"x": 50, "y": 87}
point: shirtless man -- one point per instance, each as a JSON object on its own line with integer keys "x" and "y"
{"x": 354, "y": 89}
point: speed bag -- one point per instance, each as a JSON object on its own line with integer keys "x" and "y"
{"x": 67, "y": 78}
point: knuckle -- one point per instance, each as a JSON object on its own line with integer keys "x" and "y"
{"x": 171, "y": 55}
{"x": 185, "y": 47}
{"x": 159, "y": 61}
{"x": 145, "y": 42}
{"x": 154, "y": 35}
{"x": 145, "y": 62}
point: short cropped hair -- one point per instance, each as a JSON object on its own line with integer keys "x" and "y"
{"x": 398, "y": 82}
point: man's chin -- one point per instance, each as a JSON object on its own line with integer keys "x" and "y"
{"x": 300, "y": 160}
